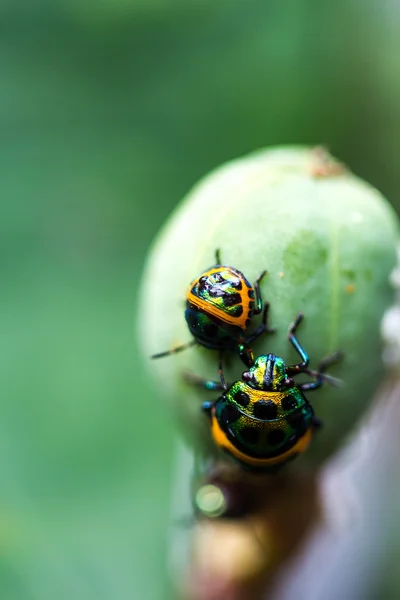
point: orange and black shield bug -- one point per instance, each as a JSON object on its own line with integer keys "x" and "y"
{"x": 220, "y": 306}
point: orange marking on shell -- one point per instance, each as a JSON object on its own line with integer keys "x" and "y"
{"x": 222, "y": 441}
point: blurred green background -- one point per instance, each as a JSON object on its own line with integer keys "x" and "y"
{"x": 109, "y": 112}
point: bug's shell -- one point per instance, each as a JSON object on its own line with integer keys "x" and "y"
{"x": 262, "y": 430}
{"x": 219, "y": 308}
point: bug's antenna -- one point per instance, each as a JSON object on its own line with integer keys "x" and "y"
{"x": 335, "y": 381}
{"x": 174, "y": 350}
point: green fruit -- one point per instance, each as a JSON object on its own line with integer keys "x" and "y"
{"x": 328, "y": 241}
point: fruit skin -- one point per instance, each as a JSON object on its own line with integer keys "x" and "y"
{"x": 328, "y": 241}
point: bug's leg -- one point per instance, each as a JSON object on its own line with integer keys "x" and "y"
{"x": 218, "y": 256}
{"x": 319, "y": 375}
{"x": 203, "y": 383}
{"x": 174, "y": 350}
{"x": 221, "y": 371}
{"x": 263, "y": 328}
{"x": 299, "y": 368}
{"x": 258, "y": 298}
{"x": 206, "y": 407}
{"x": 245, "y": 351}
{"x": 311, "y": 385}
{"x": 246, "y": 354}
{"x": 326, "y": 362}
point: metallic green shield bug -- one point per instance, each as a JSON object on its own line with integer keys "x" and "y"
{"x": 264, "y": 420}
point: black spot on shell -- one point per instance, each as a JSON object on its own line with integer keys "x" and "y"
{"x": 232, "y": 299}
{"x": 191, "y": 318}
{"x": 276, "y": 437}
{"x": 242, "y": 398}
{"x": 251, "y": 293}
{"x": 210, "y": 330}
{"x": 251, "y": 305}
{"x": 249, "y": 435}
{"x": 265, "y": 410}
{"x": 218, "y": 321}
{"x": 237, "y": 311}
{"x": 203, "y": 281}
{"x": 296, "y": 420}
{"x": 237, "y": 284}
{"x": 289, "y": 403}
{"x": 248, "y": 321}
{"x": 230, "y": 414}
